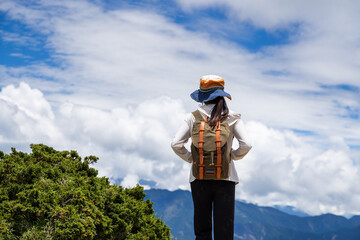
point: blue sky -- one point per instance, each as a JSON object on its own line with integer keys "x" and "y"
{"x": 31, "y": 46}
{"x": 113, "y": 78}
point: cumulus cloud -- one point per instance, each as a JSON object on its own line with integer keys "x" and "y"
{"x": 133, "y": 143}
{"x": 284, "y": 168}
{"x": 132, "y": 140}
{"x": 26, "y": 115}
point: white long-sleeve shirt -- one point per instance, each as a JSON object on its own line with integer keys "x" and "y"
{"x": 237, "y": 130}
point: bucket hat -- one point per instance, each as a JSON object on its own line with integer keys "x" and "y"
{"x": 211, "y": 87}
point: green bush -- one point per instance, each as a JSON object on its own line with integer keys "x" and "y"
{"x": 51, "y": 194}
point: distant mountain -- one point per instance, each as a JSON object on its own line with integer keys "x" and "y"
{"x": 253, "y": 222}
{"x": 291, "y": 210}
{"x": 175, "y": 209}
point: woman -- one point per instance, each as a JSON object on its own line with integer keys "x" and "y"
{"x": 213, "y": 195}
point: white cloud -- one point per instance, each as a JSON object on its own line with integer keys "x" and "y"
{"x": 324, "y": 14}
{"x": 130, "y": 181}
{"x": 283, "y": 168}
{"x": 19, "y": 39}
{"x": 19, "y": 97}
{"x": 26, "y": 115}
{"x": 323, "y": 47}
{"x": 130, "y": 140}
{"x": 133, "y": 143}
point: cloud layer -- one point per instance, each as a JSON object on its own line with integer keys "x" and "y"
{"x": 133, "y": 143}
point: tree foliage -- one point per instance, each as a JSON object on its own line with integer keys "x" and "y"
{"x": 51, "y": 194}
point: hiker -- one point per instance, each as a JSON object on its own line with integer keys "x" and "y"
{"x": 213, "y": 175}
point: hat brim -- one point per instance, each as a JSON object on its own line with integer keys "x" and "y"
{"x": 208, "y": 96}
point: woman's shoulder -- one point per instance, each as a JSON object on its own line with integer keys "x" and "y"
{"x": 233, "y": 114}
{"x": 190, "y": 118}
{"x": 233, "y": 117}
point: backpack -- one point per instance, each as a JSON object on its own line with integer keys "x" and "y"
{"x": 209, "y": 149}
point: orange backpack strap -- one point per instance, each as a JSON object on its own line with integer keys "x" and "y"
{"x": 201, "y": 165}
{"x": 201, "y": 151}
{"x": 218, "y": 149}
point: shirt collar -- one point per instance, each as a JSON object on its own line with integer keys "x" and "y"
{"x": 207, "y": 108}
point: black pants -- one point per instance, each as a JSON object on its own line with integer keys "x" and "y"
{"x": 214, "y": 195}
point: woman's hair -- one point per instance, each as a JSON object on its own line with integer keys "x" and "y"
{"x": 219, "y": 112}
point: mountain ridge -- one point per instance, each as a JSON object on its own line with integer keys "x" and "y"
{"x": 252, "y": 221}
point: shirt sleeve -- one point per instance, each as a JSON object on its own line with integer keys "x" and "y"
{"x": 241, "y": 136}
{"x": 181, "y": 138}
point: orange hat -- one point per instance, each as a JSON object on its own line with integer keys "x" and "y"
{"x": 211, "y": 87}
